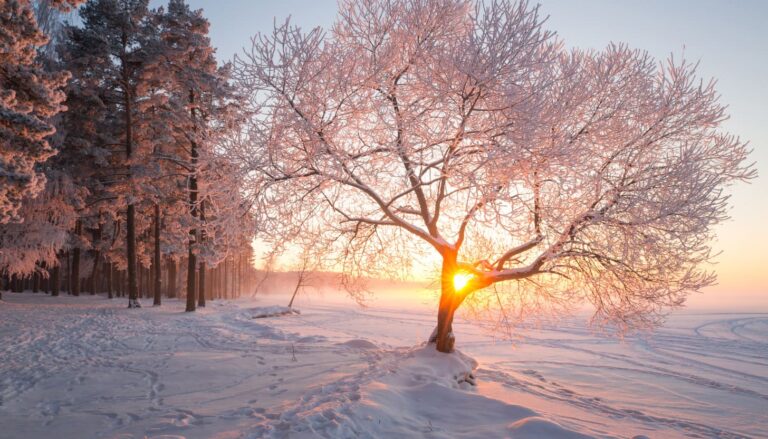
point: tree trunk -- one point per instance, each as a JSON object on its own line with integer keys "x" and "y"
{"x": 75, "y": 277}
{"x": 156, "y": 264}
{"x": 171, "y": 277}
{"x": 239, "y": 275}
{"x": 133, "y": 288}
{"x": 201, "y": 287}
{"x": 192, "y": 262}
{"x": 109, "y": 270}
{"x": 449, "y": 301}
{"x": 232, "y": 278}
{"x": 207, "y": 285}
{"x": 222, "y": 278}
{"x": 295, "y": 291}
{"x": 226, "y": 278}
{"x": 92, "y": 281}
{"x": 201, "y": 279}
{"x": 74, "y": 273}
{"x": 214, "y": 283}
{"x": 191, "y": 278}
{"x": 68, "y": 275}
{"x": 47, "y": 279}
{"x": 140, "y": 280}
{"x": 96, "y": 256}
{"x": 56, "y": 279}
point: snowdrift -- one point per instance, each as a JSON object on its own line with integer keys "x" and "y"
{"x": 410, "y": 394}
{"x": 272, "y": 311}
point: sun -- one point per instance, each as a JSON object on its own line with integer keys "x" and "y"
{"x": 461, "y": 279}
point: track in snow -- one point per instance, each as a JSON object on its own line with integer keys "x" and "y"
{"x": 73, "y": 365}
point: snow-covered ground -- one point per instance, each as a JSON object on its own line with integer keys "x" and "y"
{"x": 89, "y": 368}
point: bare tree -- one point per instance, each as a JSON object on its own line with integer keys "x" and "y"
{"x": 267, "y": 271}
{"x": 465, "y": 129}
{"x": 304, "y": 275}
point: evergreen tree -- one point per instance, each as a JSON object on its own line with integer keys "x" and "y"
{"x": 199, "y": 96}
{"x": 29, "y": 97}
{"x": 110, "y": 49}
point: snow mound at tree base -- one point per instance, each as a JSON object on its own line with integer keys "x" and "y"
{"x": 410, "y": 394}
{"x": 272, "y": 311}
{"x": 426, "y": 364}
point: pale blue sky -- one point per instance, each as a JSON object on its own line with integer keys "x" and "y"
{"x": 728, "y": 37}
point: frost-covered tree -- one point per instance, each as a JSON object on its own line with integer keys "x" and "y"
{"x": 86, "y": 144}
{"x": 110, "y": 45}
{"x": 465, "y": 129}
{"x": 198, "y": 100}
{"x": 28, "y": 247}
{"x": 29, "y": 97}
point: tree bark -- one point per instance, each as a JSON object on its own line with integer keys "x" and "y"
{"x": 239, "y": 274}
{"x": 232, "y": 278}
{"x": 220, "y": 274}
{"x": 449, "y": 301}
{"x": 226, "y": 278}
{"x": 133, "y": 289}
{"x": 201, "y": 280}
{"x": 56, "y": 279}
{"x": 171, "y": 277}
{"x": 92, "y": 286}
{"x": 75, "y": 276}
{"x": 192, "y": 261}
{"x": 140, "y": 280}
{"x": 92, "y": 281}
{"x": 191, "y": 278}
{"x": 68, "y": 275}
{"x": 47, "y": 279}
{"x": 295, "y": 291}
{"x": 109, "y": 270}
{"x": 201, "y": 287}
{"x": 215, "y": 283}
{"x": 156, "y": 264}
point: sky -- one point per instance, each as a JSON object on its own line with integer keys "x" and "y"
{"x": 729, "y": 38}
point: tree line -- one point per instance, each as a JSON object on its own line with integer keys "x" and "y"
{"x": 113, "y": 177}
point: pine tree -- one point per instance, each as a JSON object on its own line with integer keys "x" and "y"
{"x": 198, "y": 87}
{"x": 110, "y": 48}
{"x": 29, "y": 98}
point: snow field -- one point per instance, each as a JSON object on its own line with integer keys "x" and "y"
{"x": 89, "y": 368}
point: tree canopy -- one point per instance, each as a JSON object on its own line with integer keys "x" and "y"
{"x": 467, "y": 129}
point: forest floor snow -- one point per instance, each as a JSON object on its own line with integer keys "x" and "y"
{"x": 87, "y": 367}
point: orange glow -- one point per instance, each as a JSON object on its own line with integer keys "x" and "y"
{"x": 461, "y": 279}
